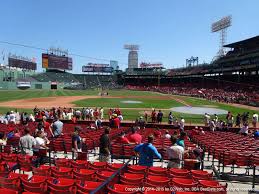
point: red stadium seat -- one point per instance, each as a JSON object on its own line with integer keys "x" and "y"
{"x": 137, "y": 169}
{"x": 97, "y": 165}
{"x": 85, "y": 175}
{"x": 79, "y": 164}
{"x": 155, "y": 181}
{"x": 181, "y": 173}
{"x": 200, "y": 174}
{"x": 103, "y": 175}
{"x": 132, "y": 179}
{"x": 157, "y": 171}
{"x": 88, "y": 186}
{"x": 8, "y": 191}
{"x": 122, "y": 189}
{"x": 184, "y": 183}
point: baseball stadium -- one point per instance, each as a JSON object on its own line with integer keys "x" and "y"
{"x": 148, "y": 128}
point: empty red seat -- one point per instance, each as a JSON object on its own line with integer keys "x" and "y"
{"x": 85, "y": 174}
{"x": 8, "y": 191}
{"x": 79, "y": 164}
{"x": 121, "y": 189}
{"x": 103, "y": 175}
{"x": 157, "y": 170}
{"x": 114, "y": 166}
{"x": 88, "y": 186}
{"x": 184, "y": 183}
{"x": 181, "y": 173}
{"x": 137, "y": 169}
{"x": 200, "y": 174}
{"x": 157, "y": 181}
{"x": 97, "y": 165}
{"x": 132, "y": 179}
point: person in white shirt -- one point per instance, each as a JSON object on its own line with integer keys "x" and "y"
{"x": 206, "y": 119}
{"x": 12, "y": 117}
{"x": 254, "y": 119}
{"x": 91, "y": 113}
{"x": 244, "y": 129}
{"x": 31, "y": 118}
{"x": 167, "y": 135}
{"x": 69, "y": 116}
{"x": 101, "y": 113}
{"x": 175, "y": 154}
{"x": 182, "y": 121}
{"x": 212, "y": 125}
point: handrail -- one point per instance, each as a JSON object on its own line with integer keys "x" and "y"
{"x": 101, "y": 186}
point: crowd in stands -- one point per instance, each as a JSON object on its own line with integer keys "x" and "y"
{"x": 218, "y": 95}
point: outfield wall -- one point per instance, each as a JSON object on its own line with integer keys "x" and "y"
{"x": 34, "y": 86}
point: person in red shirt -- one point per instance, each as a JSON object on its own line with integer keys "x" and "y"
{"x": 157, "y": 133}
{"x": 46, "y": 126}
{"x": 153, "y": 116}
{"x": 135, "y": 137}
{"x": 122, "y": 139}
{"x": 96, "y": 113}
{"x": 110, "y": 113}
{"x": 116, "y": 122}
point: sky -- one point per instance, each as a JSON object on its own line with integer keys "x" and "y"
{"x": 168, "y": 31}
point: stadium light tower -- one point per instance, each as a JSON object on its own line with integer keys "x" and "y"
{"x": 221, "y": 26}
{"x": 133, "y": 55}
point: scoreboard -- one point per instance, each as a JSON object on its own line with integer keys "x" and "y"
{"x": 93, "y": 68}
{"x": 23, "y": 64}
{"x": 50, "y": 61}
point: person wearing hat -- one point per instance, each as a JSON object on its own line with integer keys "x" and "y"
{"x": 147, "y": 152}
{"x": 116, "y": 121}
{"x": 77, "y": 140}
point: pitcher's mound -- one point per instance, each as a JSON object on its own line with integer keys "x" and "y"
{"x": 198, "y": 110}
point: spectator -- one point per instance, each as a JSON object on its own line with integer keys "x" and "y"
{"x": 27, "y": 142}
{"x": 101, "y": 113}
{"x": 238, "y": 120}
{"x": 146, "y": 116}
{"x": 212, "y": 125}
{"x": 141, "y": 123}
{"x": 40, "y": 145}
{"x": 105, "y": 146}
{"x": 182, "y": 122}
{"x": 167, "y": 135}
{"x": 57, "y": 128}
{"x": 244, "y": 129}
{"x": 116, "y": 121}
{"x": 254, "y": 119}
{"x": 122, "y": 139}
{"x": 175, "y": 154}
{"x": 170, "y": 118}
{"x": 31, "y": 118}
{"x": 157, "y": 133}
{"x": 147, "y": 152}
{"x": 159, "y": 116}
{"x": 206, "y": 119}
{"x": 135, "y": 137}
{"x": 12, "y": 118}
{"x": 77, "y": 140}
{"x": 256, "y": 134}
{"x": 3, "y": 139}
{"x": 98, "y": 123}
{"x": 180, "y": 140}
{"x": 153, "y": 116}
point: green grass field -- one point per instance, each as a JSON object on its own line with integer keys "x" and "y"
{"x": 130, "y": 111}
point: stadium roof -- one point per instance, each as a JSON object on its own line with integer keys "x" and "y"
{"x": 250, "y": 42}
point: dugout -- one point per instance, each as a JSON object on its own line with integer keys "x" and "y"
{"x": 54, "y": 85}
